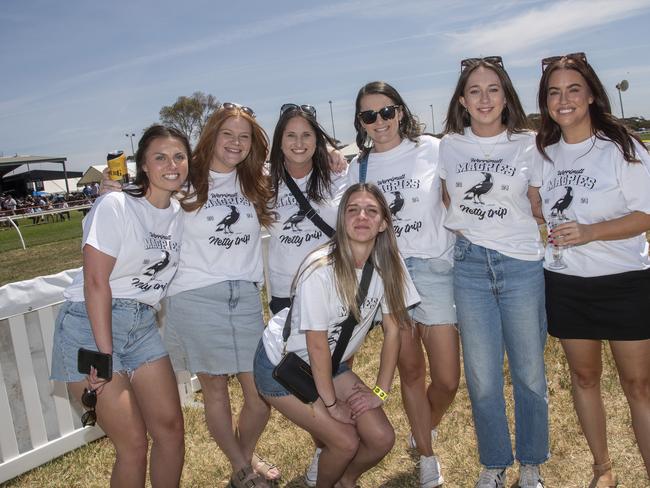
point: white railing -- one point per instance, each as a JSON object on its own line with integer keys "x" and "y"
{"x": 38, "y": 422}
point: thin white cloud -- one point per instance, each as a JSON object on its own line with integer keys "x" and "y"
{"x": 539, "y": 25}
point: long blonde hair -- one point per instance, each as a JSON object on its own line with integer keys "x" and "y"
{"x": 250, "y": 172}
{"x": 385, "y": 257}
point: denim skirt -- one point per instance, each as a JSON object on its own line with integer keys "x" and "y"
{"x": 215, "y": 329}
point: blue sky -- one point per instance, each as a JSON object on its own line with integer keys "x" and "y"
{"x": 79, "y": 74}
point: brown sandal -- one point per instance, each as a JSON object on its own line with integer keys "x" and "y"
{"x": 603, "y": 476}
{"x": 247, "y": 478}
{"x": 266, "y": 469}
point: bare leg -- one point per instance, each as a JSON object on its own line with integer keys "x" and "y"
{"x": 119, "y": 416}
{"x": 441, "y": 344}
{"x": 253, "y": 417}
{"x": 586, "y": 367}
{"x": 156, "y": 390}
{"x": 219, "y": 418}
{"x": 412, "y": 373}
{"x": 376, "y": 435}
{"x": 340, "y": 440}
{"x": 633, "y": 364}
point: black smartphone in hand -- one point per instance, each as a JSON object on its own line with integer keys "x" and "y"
{"x": 102, "y": 362}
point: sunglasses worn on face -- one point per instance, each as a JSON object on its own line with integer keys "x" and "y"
{"x": 370, "y": 116}
{"x": 308, "y": 109}
{"x": 243, "y": 108}
{"x": 552, "y": 59}
{"x": 89, "y": 400}
{"x": 466, "y": 63}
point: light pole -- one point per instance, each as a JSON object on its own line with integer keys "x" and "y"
{"x": 621, "y": 87}
{"x": 433, "y": 124}
{"x": 131, "y": 136}
{"x": 332, "y": 116}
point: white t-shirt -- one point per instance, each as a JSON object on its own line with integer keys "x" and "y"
{"x": 489, "y": 202}
{"x": 145, "y": 241}
{"x": 590, "y": 182}
{"x": 221, "y": 240}
{"x": 408, "y": 177}
{"x": 317, "y": 306}
{"x": 294, "y": 236}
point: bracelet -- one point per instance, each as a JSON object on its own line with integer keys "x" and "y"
{"x": 330, "y": 406}
{"x": 380, "y": 393}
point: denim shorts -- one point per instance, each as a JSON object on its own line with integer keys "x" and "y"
{"x": 136, "y": 339}
{"x": 434, "y": 280}
{"x": 265, "y": 382}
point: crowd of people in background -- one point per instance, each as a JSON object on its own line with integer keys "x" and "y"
{"x": 39, "y": 203}
{"x": 446, "y": 232}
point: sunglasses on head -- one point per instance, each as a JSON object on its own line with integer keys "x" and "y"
{"x": 370, "y": 116}
{"x": 469, "y": 62}
{"x": 89, "y": 400}
{"x": 552, "y": 59}
{"x": 243, "y": 108}
{"x": 308, "y": 109}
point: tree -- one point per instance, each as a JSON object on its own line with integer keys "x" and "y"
{"x": 189, "y": 114}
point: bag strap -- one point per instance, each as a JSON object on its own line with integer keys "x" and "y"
{"x": 363, "y": 167}
{"x": 305, "y": 207}
{"x": 348, "y": 325}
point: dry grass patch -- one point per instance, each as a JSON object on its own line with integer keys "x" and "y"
{"x": 291, "y": 448}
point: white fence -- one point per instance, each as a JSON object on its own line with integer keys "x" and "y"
{"x": 38, "y": 422}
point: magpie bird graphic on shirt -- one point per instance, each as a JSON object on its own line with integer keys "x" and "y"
{"x": 558, "y": 208}
{"x": 480, "y": 189}
{"x": 158, "y": 266}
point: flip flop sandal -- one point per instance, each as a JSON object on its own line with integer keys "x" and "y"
{"x": 247, "y": 478}
{"x": 266, "y": 468}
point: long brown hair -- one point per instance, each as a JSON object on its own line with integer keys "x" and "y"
{"x": 512, "y": 116}
{"x": 250, "y": 172}
{"x": 385, "y": 256}
{"x": 320, "y": 181}
{"x": 604, "y": 125}
{"x": 409, "y": 126}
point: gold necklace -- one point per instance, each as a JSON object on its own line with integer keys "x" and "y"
{"x": 492, "y": 148}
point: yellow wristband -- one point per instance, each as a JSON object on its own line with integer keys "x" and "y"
{"x": 380, "y": 393}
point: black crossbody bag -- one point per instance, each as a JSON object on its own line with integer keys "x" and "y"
{"x": 294, "y": 373}
{"x": 305, "y": 207}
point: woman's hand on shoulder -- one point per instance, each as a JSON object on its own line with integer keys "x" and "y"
{"x": 337, "y": 161}
{"x": 362, "y": 400}
{"x": 107, "y": 185}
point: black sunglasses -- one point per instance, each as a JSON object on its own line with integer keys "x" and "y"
{"x": 370, "y": 116}
{"x": 469, "y": 62}
{"x": 243, "y": 108}
{"x": 89, "y": 400}
{"x": 308, "y": 109}
{"x": 552, "y": 59}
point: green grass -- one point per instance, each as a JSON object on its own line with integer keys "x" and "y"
{"x": 44, "y": 233}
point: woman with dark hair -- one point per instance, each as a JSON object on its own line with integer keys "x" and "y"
{"x": 131, "y": 245}
{"x": 347, "y": 416}
{"x": 299, "y": 152}
{"x": 596, "y": 182}
{"x": 214, "y": 312}
{"x": 404, "y": 165}
{"x": 491, "y": 182}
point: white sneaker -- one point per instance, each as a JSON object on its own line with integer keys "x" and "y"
{"x": 311, "y": 475}
{"x": 411, "y": 441}
{"x": 491, "y": 478}
{"x": 430, "y": 475}
{"x": 529, "y": 476}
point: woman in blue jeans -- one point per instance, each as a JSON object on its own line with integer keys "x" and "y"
{"x": 491, "y": 186}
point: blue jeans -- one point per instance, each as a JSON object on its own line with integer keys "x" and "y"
{"x": 500, "y": 305}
